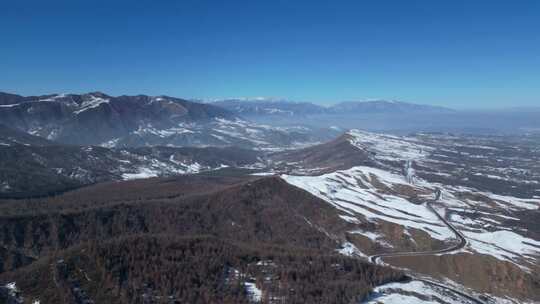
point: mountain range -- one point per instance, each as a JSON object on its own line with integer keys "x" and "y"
{"x": 33, "y": 166}
{"x": 141, "y": 199}
{"x": 132, "y": 121}
{"x": 281, "y": 107}
{"x": 384, "y": 116}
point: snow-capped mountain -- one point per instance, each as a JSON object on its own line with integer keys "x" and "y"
{"x": 254, "y": 107}
{"x": 127, "y": 121}
{"x": 249, "y": 107}
{"x": 385, "y": 107}
{"x": 94, "y": 118}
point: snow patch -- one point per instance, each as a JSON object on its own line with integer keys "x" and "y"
{"x": 253, "y": 291}
{"x": 414, "y": 292}
{"x": 263, "y": 173}
{"x": 10, "y": 105}
{"x": 389, "y": 147}
{"x": 143, "y": 173}
{"x": 504, "y": 245}
{"x": 349, "y": 249}
{"x": 91, "y": 103}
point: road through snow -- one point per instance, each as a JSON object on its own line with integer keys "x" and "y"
{"x": 462, "y": 243}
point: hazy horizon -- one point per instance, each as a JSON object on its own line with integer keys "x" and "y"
{"x": 318, "y": 52}
{"x": 471, "y": 107}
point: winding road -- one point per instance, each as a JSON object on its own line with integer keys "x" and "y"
{"x": 462, "y": 243}
{"x": 459, "y": 235}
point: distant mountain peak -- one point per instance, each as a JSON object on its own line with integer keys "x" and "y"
{"x": 283, "y": 107}
{"x": 259, "y": 99}
{"x": 98, "y": 94}
{"x": 385, "y": 106}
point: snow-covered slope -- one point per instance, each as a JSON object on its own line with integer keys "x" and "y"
{"x": 414, "y": 292}
{"x": 133, "y": 121}
{"x": 389, "y": 147}
{"x": 37, "y": 170}
{"x": 367, "y": 194}
{"x": 386, "y": 203}
{"x": 375, "y": 196}
{"x": 261, "y": 106}
{"x": 222, "y": 132}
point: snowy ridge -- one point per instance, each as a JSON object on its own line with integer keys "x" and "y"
{"x": 504, "y": 245}
{"x": 91, "y": 103}
{"x": 365, "y": 194}
{"x": 389, "y": 147}
{"x": 223, "y": 132}
{"x": 135, "y": 121}
{"x": 414, "y": 292}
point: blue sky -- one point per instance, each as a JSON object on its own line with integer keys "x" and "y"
{"x": 455, "y": 53}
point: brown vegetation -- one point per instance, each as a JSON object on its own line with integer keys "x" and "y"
{"x": 140, "y": 241}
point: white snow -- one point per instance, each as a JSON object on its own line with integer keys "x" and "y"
{"x": 414, "y": 292}
{"x": 149, "y": 129}
{"x": 395, "y": 298}
{"x": 266, "y": 263}
{"x": 193, "y": 168}
{"x": 503, "y": 244}
{"x": 349, "y": 249}
{"x": 375, "y": 237}
{"x": 12, "y": 288}
{"x": 355, "y": 193}
{"x": 513, "y": 202}
{"x": 389, "y": 147}
{"x": 143, "y": 173}
{"x": 263, "y": 173}
{"x": 53, "y": 134}
{"x": 93, "y": 102}
{"x": 349, "y": 219}
{"x": 253, "y": 291}
{"x": 261, "y": 136}
{"x": 4, "y": 186}
{"x": 223, "y": 139}
{"x": 462, "y": 220}
{"x": 54, "y": 97}
{"x": 279, "y": 111}
{"x": 111, "y": 143}
{"x": 154, "y": 167}
{"x": 10, "y": 105}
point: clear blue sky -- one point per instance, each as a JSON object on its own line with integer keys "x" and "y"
{"x": 474, "y": 53}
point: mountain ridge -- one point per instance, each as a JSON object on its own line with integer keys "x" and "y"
{"x": 140, "y": 120}
{"x": 277, "y": 107}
